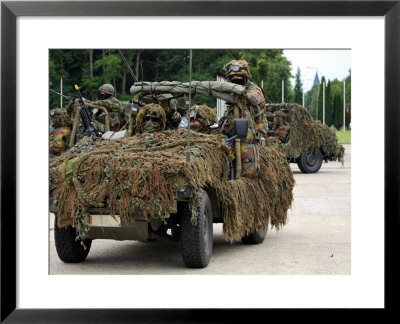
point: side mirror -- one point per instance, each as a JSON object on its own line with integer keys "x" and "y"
{"x": 240, "y": 127}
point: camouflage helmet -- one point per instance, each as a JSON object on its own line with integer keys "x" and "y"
{"x": 279, "y": 118}
{"x": 279, "y": 113}
{"x": 270, "y": 116}
{"x": 107, "y": 88}
{"x": 202, "y": 117}
{"x": 59, "y": 117}
{"x": 175, "y": 119}
{"x": 237, "y": 67}
{"x": 151, "y": 114}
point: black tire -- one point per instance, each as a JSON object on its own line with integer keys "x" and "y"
{"x": 175, "y": 232}
{"x": 68, "y": 249}
{"x": 256, "y": 237}
{"x": 197, "y": 240}
{"x": 310, "y": 161}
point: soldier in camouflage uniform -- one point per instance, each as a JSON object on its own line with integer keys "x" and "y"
{"x": 113, "y": 106}
{"x": 281, "y": 126}
{"x": 202, "y": 118}
{"x": 238, "y": 71}
{"x": 170, "y": 106}
{"x": 252, "y": 105}
{"x": 167, "y": 103}
{"x": 60, "y": 134}
{"x": 151, "y": 118}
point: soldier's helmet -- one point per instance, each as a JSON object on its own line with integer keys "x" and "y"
{"x": 107, "y": 88}
{"x": 151, "y": 118}
{"x": 279, "y": 113}
{"x": 279, "y": 118}
{"x": 59, "y": 117}
{"x": 202, "y": 117}
{"x": 175, "y": 119}
{"x": 237, "y": 68}
{"x": 270, "y": 116}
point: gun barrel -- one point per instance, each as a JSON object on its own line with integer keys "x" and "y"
{"x": 85, "y": 115}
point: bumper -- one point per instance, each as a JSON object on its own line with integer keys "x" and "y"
{"x": 105, "y": 226}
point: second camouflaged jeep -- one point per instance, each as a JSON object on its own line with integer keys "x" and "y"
{"x": 303, "y": 140}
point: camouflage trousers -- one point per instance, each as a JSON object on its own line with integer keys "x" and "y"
{"x": 59, "y": 139}
{"x": 250, "y": 156}
{"x": 282, "y": 133}
{"x": 113, "y": 118}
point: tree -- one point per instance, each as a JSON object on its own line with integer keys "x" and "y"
{"x": 311, "y": 98}
{"x": 298, "y": 88}
{"x": 314, "y": 101}
{"x": 329, "y": 117}
{"x": 348, "y": 88}
{"x": 93, "y": 67}
{"x": 273, "y": 67}
{"x": 337, "y": 100}
{"x": 348, "y": 98}
{"x": 338, "y": 110}
{"x": 321, "y": 99}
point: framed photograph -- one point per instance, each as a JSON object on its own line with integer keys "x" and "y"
{"x": 31, "y": 30}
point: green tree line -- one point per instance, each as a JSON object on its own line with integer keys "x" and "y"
{"x": 314, "y": 99}
{"x": 92, "y": 67}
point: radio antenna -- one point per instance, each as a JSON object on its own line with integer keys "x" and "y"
{"x": 127, "y": 65}
{"x": 190, "y": 104}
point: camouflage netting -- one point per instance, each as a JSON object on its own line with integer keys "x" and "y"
{"x": 60, "y": 117}
{"x": 150, "y": 168}
{"x": 306, "y": 133}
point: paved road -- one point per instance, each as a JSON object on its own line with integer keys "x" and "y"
{"x": 316, "y": 239}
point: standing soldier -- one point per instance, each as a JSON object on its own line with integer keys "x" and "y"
{"x": 237, "y": 71}
{"x": 60, "y": 131}
{"x": 112, "y": 105}
{"x": 251, "y": 106}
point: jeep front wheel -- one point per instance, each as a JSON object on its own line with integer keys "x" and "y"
{"x": 68, "y": 248}
{"x": 196, "y": 235}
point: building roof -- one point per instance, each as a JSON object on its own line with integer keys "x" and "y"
{"x": 316, "y": 79}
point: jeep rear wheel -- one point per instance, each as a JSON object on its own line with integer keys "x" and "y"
{"x": 310, "y": 161}
{"x": 256, "y": 237}
{"x": 196, "y": 240}
{"x": 68, "y": 248}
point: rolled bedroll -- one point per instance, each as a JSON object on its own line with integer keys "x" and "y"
{"x": 227, "y": 91}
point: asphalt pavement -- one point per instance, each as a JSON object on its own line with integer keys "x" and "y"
{"x": 315, "y": 240}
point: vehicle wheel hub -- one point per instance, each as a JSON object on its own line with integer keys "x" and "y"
{"x": 311, "y": 159}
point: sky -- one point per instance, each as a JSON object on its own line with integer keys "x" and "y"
{"x": 333, "y": 64}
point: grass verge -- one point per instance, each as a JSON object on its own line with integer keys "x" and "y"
{"x": 344, "y": 137}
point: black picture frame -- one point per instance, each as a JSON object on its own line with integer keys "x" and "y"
{"x": 10, "y": 10}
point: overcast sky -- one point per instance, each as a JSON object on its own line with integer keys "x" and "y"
{"x": 333, "y": 64}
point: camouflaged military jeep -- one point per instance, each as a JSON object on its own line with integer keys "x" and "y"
{"x": 172, "y": 182}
